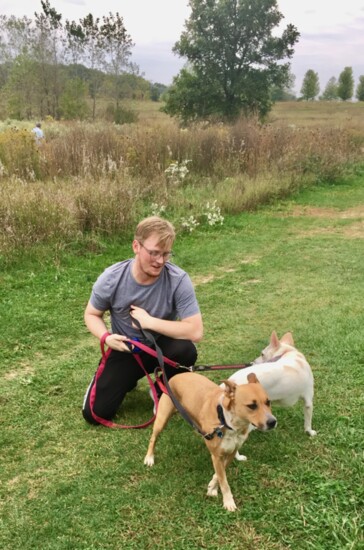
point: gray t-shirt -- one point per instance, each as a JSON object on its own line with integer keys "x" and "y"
{"x": 170, "y": 297}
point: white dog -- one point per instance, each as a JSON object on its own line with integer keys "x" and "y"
{"x": 286, "y": 376}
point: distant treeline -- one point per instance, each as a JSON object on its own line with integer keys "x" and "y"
{"x": 75, "y": 70}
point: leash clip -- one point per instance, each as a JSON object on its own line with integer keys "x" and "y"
{"x": 218, "y": 431}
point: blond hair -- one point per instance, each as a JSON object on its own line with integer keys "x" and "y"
{"x": 154, "y": 224}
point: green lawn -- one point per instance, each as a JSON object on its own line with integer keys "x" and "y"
{"x": 297, "y": 265}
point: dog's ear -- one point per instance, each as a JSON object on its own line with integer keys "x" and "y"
{"x": 287, "y": 339}
{"x": 230, "y": 388}
{"x": 274, "y": 340}
{"x": 252, "y": 379}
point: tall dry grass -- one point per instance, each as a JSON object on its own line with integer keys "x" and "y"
{"x": 100, "y": 178}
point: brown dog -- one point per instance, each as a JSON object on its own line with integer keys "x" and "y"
{"x": 223, "y": 415}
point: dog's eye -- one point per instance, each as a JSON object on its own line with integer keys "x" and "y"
{"x": 253, "y": 406}
{"x": 267, "y": 403}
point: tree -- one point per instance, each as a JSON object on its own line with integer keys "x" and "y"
{"x": 117, "y": 45}
{"x": 360, "y": 89}
{"x": 21, "y": 88}
{"x": 157, "y": 90}
{"x": 85, "y": 41}
{"x": 73, "y": 102}
{"x": 285, "y": 92}
{"x": 16, "y": 35}
{"x": 18, "y": 71}
{"x": 345, "y": 87}
{"x": 234, "y": 59}
{"x": 330, "y": 91}
{"x": 310, "y": 85}
{"x": 46, "y": 51}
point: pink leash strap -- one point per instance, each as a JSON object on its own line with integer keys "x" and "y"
{"x": 153, "y": 353}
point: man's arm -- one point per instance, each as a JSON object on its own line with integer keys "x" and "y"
{"x": 94, "y": 320}
{"x": 190, "y": 328}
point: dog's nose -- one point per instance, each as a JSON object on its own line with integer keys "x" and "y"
{"x": 271, "y": 423}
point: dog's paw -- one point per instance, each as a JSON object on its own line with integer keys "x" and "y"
{"x": 212, "y": 491}
{"x": 230, "y": 505}
{"x": 149, "y": 460}
{"x": 213, "y": 488}
{"x": 311, "y": 432}
{"x": 240, "y": 457}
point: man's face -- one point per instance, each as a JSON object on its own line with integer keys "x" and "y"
{"x": 151, "y": 256}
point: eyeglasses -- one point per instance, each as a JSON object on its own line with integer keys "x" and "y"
{"x": 156, "y": 255}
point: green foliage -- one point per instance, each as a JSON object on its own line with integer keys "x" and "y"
{"x": 345, "y": 87}
{"x": 21, "y": 88}
{"x": 360, "y": 89}
{"x": 284, "y": 92}
{"x": 157, "y": 90}
{"x": 310, "y": 85}
{"x": 38, "y": 58}
{"x": 331, "y": 90}
{"x": 116, "y": 44}
{"x": 234, "y": 59}
{"x": 73, "y": 104}
{"x": 119, "y": 115}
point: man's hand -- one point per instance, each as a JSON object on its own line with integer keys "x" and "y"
{"x": 116, "y": 342}
{"x": 140, "y": 315}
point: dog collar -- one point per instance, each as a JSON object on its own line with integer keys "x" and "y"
{"x": 220, "y": 414}
{"x": 219, "y": 430}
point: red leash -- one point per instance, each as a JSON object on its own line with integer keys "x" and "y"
{"x": 105, "y": 355}
{"x": 161, "y": 358}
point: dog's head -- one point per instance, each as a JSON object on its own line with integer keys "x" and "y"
{"x": 248, "y": 404}
{"x": 275, "y": 347}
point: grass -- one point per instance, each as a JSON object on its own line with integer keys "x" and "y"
{"x": 98, "y": 179}
{"x": 296, "y": 265}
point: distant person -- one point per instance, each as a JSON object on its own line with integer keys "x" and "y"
{"x": 38, "y": 133}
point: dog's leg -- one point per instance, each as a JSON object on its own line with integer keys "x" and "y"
{"x": 213, "y": 486}
{"x": 165, "y": 411}
{"x": 220, "y": 465}
{"x": 308, "y": 411}
{"x": 238, "y": 456}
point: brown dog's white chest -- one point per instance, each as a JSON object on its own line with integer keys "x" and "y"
{"x": 232, "y": 440}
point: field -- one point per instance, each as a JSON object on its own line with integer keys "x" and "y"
{"x": 293, "y": 262}
{"x": 91, "y": 181}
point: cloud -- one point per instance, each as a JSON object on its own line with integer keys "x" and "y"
{"x": 75, "y": 2}
{"x": 157, "y": 61}
{"x": 329, "y": 52}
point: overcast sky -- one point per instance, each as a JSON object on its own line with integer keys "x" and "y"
{"x": 332, "y": 32}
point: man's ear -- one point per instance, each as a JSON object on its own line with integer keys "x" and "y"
{"x": 136, "y": 246}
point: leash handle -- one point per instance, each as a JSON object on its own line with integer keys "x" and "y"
{"x": 102, "y": 343}
{"x": 110, "y": 423}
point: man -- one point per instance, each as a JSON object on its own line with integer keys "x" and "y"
{"x": 38, "y": 133}
{"x": 157, "y": 294}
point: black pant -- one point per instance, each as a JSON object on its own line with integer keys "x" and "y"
{"x": 122, "y": 372}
